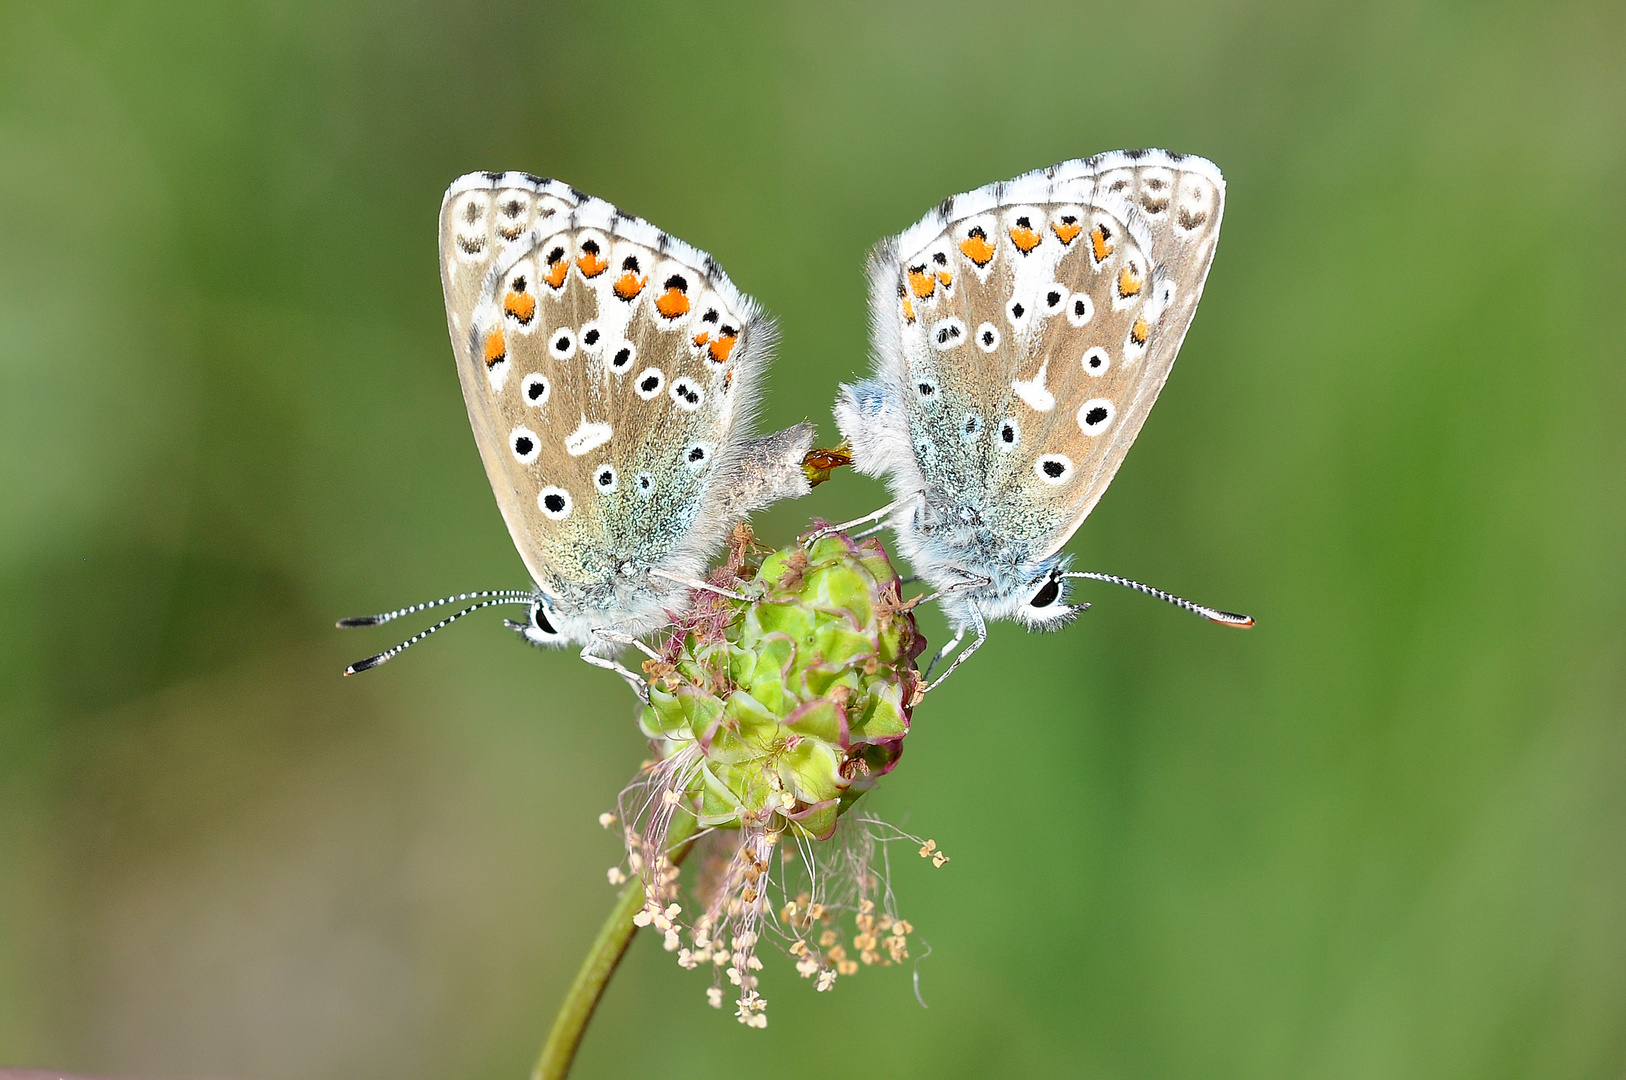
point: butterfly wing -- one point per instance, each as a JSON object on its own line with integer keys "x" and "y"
{"x": 1022, "y": 334}
{"x": 610, "y": 372}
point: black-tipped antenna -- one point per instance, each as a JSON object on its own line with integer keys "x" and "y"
{"x": 516, "y": 596}
{"x": 1224, "y": 618}
{"x": 390, "y": 654}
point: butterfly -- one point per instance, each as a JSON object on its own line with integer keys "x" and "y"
{"x": 611, "y": 373}
{"x": 1021, "y": 333}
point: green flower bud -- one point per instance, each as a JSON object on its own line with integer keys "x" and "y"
{"x": 796, "y": 697}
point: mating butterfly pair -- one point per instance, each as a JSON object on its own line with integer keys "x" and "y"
{"x": 1022, "y": 332}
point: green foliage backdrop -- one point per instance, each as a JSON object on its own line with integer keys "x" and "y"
{"x": 1383, "y": 835}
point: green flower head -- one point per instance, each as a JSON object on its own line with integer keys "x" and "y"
{"x": 780, "y": 700}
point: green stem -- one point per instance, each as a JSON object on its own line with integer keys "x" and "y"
{"x": 601, "y": 961}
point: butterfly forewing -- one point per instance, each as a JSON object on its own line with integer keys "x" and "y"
{"x": 603, "y": 365}
{"x": 1036, "y": 322}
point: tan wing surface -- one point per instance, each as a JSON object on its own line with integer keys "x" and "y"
{"x": 1038, "y": 319}
{"x": 605, "y": 366}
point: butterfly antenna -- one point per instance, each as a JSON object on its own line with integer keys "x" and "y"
{"x": 1224, "y": 618}
{"x": 507, "y": 596}
{"x": 390, "y": 654}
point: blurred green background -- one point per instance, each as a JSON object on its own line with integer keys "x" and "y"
{"x": 1383, "y": 835}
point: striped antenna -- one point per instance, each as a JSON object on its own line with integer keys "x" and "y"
{"x": 390, "y": 654}
{"x": 1224, "y": 618}
{"x": 507, "y": 595}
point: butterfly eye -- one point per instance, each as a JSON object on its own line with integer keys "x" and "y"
{"x": 539, "y": 619}
{"x": 1047, "y": 595}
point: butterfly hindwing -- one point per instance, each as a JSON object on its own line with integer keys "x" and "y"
{"x": 608, "y": 370}
{"x": 1023, "y": 332}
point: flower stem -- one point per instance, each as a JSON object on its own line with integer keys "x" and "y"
{"x": 601, "y": 961}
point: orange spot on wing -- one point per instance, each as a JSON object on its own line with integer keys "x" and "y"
{"x": 921, "y": 282}
{"x": 977, "y": 248}
{"x": 1128, "y": 283}
{"x": 945, "y": 277}
{"x": 672, "y": 303}
{"x": 720, "y": 347}
{"x": 629, "y": 285}
{"x": 591, "y": 263}
{"x": 1025, "y": 238}
{"x": 1067, "y": 229}
{"x": 1098, "y": 244}
{"x": 521, "y": 306}
{"x": 908, "y": 310}
{"x": 555, "y": 277}
{"x": 496, "y": 351}
{"x": 1139, "y": 332}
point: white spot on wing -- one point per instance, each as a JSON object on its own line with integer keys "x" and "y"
{"x": 1095, "y": 416}
{"x": 534, "y": 391}
{"x": 554, "y": 502}
{"x": 524, "y": 444}
{"x": 948, "y": 333}
{"x": 1032, "y": 391}
{"x": 587, "y": 436}
{"x": 498, "y": 375}
{"x": 1054, "y": 468}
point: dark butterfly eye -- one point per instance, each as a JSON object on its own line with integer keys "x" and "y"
{"x": 539, "y": 616}
{"x": 1047, "y": 595}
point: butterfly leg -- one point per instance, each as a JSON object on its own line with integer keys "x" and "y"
{"x": 982, "y": 636}
{"x": 698, "y": 585}
{"x": 880, "y": 515}
{"x": 638, "y": 685}
{"x": 942, "y": 653}
{"x": 972, "y": 581}
{"x": 616, "y": 637}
